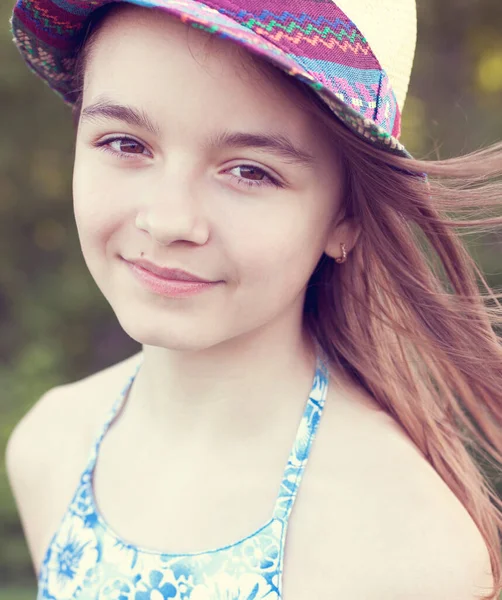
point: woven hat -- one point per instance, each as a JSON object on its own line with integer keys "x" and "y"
{"x": 356, "y": 54}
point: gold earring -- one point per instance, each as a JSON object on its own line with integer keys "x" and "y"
{"x": 343, "y": 258}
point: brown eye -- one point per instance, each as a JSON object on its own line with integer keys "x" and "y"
{"x": 252, "y": 176}
{"x": 123, "y": 147}
{"x": 129, "y": 146}
{"x": 252, "y": 173}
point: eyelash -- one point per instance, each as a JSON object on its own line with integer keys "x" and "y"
{"x": 104, "y": 145}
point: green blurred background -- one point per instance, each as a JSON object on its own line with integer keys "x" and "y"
{"x": 55, "y": 325}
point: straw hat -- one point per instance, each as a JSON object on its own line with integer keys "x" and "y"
{"x": 356, "y": 54}
{"x": 396, "y": 50}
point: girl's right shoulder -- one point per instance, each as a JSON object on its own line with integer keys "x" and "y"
{"x": 49, "y": 447}
{"x": 68, "y": 407}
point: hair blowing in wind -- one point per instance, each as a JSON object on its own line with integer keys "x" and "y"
{"x": 412, "y": 318}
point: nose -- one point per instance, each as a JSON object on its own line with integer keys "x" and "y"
{"x": 173, "y": 211}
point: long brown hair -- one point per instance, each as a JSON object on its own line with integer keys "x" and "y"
{"x": 410, "y": 316}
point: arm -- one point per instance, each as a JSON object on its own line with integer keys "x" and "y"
{"x": 30, "y": 452}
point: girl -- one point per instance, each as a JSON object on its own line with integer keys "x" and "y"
{"x": 244, "y": 205}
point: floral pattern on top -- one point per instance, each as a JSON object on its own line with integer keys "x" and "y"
{"x": 86, "y": 560}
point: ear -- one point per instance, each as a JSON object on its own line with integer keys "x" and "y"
{"x": 347, "y": 232}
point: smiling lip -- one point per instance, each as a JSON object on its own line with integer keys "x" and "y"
{"x": 166, "y": 273}
{"x": 171, "y": 287}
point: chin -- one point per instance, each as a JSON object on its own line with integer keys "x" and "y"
{"x": 172, "y": 336}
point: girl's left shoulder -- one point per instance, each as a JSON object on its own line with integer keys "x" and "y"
{"x": 379, "y": 503}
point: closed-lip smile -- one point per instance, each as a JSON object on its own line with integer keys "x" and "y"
{"x": 168, "y": 273}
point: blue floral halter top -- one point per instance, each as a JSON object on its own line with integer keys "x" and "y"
{"x": 86, "y": 560}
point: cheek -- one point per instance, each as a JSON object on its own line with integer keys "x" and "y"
{"x": 279, "y": 251}
{"x": 96, "y": 203}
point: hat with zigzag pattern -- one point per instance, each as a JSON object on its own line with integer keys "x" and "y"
{"x": 356, "y": 54}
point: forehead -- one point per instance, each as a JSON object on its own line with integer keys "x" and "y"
{"x": 151, "y": 59}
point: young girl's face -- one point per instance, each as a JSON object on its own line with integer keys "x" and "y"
{"x": 232, "y": 181}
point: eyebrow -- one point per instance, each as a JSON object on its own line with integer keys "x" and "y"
{"x": 103, "y": 108}
{"x": 275, "y": 143}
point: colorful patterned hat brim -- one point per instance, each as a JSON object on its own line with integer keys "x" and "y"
{"x": 313, "y": 41}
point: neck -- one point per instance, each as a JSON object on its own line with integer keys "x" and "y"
{"x": 230, "y": 389}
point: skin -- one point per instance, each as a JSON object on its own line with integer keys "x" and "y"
{"x": 179, "y": 201}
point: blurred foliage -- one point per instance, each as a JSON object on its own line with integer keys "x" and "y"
{"x": 56, "y": 326}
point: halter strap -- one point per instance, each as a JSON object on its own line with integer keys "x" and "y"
{"x": 111, "y": 415}
{"x": 300, "y": 452}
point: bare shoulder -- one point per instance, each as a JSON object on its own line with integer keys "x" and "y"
{"x": 394, "y": 512}
{"x": 50, "y": 445}
{"x": 443, "y": 550}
